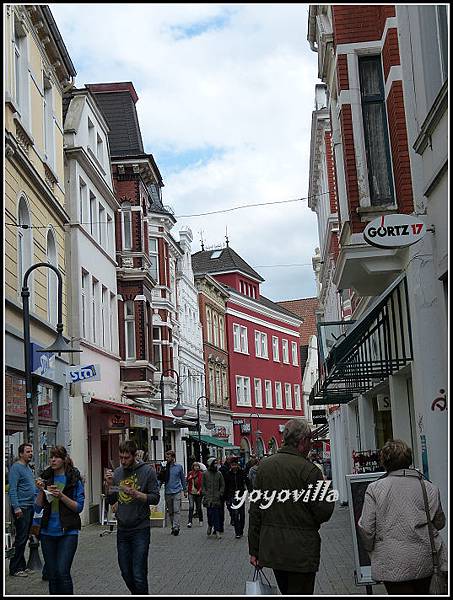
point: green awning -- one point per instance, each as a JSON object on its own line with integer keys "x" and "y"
{"x": 211, "y": 441}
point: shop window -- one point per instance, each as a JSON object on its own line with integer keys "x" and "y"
{"x": 382, "y": 423}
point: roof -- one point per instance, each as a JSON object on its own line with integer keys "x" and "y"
{"x": 58, "y": 40}
{"x": 117, "y": 103}
{"x": 306, "y": 309}
{"x": 264, "y": 302}
{"x": 227, "y": 261}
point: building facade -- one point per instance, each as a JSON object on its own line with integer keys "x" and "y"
{"x": 264, "y": 353}
{"x": 373, "y": 363}
{"x": 38, "y": 70}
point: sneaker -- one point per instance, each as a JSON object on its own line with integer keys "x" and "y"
{"x": 189, "y": 524}
{"x": 27, "y": 570}
{"x": 19, "y": 574}
{"x": 176, "y": 532}
{"x": 209, "y": 531}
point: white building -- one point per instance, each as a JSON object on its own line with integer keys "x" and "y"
{"x": 92, "y": 287}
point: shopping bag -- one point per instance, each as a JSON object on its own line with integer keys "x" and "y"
{"x": 260, "y": 585}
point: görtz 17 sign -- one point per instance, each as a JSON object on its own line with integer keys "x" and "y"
{"x": 394, "y": 231}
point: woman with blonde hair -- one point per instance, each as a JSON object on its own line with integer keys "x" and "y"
{"x": 394, "y": 526}
{"x": 62, "y": 496}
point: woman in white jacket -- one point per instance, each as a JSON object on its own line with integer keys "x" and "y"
{"x": 394, "y": 527}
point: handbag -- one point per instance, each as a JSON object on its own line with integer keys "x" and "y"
{"x": 260, "y": 585}
{"x": 439, "y": 583}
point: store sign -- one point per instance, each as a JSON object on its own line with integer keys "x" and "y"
{"x": 383, "y": 402}
{"x": 220, "y": 432}
{"x": 238, "y": 421}
{"x": 394, "y": 231}
{"x": 245, "y": 428}
{"x": 43, "y": 363}
{"x": 319, "y": 417}
{"x": 119, "y": 421}
{"x": 75, "y": 374}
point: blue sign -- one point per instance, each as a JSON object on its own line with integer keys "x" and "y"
{"x": 42, "y": 363}
{"x": 75, "y": 374}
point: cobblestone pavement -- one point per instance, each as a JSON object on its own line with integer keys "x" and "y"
{"x": 193, "y": 564}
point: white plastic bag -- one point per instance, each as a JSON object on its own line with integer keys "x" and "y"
{"x": 260, "y": 585}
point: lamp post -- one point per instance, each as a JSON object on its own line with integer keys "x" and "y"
{"x": 257, "y": 432}
{"x": 208, "y": 425}
{"x": 178, "y": 410}
{"x": 60, "y": 345}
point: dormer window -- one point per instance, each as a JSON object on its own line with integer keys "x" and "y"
{"x": 216, "y": 254}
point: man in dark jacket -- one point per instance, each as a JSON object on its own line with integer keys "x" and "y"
{"x": 284, "y": 534}
{"x": 235, "y": 482}
{"x": 134, "y": 486}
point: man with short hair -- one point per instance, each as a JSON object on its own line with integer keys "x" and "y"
{"x": 172, "y": 475}
{"x": 22, "y": 493}
{"x": 133, "y": 485}
{"x": 285, "y": 535}
{"x": 235, "y": 482}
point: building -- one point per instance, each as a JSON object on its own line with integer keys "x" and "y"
{"x": 212, "y": 298}
{"x": 264, "y": 354}
{"x": 92, "y": 288}
{"x": 389, "y": 302}
{"x": 38, "y": 70}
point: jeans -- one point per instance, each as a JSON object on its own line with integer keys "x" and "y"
{"x": 58, "y": 552}
{"x": 414, "y": 587}
{"x": 195, "y": 500}
{"x": 214, "y": 518}
{"x": 173, "y": 504}
{"x": 133, "y": 547}
{"x": 238, "y": 518}
{"x": 22, "y": 526}
{"x": 290, "y": 583}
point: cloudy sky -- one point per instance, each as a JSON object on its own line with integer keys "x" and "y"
{"x": 226, "y": 93}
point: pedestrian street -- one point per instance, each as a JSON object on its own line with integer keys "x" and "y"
{"x": 194, "y": 564}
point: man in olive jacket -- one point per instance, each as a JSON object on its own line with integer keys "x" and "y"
{"x": 285, "y": 535}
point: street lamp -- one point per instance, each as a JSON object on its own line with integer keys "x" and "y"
{"x": 60, "y": 345}
{"x": 178, "y": 410}
{"x": 208, "y": 425}
{"x": 257, "y": 432}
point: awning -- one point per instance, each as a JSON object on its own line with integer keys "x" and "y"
{"x": 117, "y": 406}
{"x": 375, "y": 347}
{"x": 212, "y": 441}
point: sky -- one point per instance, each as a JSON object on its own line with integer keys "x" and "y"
{"x": 226, "y": 93}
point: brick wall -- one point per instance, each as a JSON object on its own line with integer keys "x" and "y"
{"x": 366, "y": 26}
{"x": 342, "y": 72}
{"x": 350, "y": 168}
{"x": 390, "y": 51}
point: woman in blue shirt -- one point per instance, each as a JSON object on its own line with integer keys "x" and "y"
{"x": 60, "y": 523}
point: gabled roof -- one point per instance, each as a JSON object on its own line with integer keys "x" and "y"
{"x": 227, "y": 261}
{"x": 117, "y": 103}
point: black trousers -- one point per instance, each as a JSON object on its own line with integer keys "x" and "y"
{"x": 290, "y": 582}
{"x": 411, "y": 588}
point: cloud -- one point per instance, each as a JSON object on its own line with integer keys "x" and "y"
{"x": 225, "y": 100}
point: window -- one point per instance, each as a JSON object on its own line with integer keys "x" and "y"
{"x": 268, "y": 392}
{"x": 102, "y": 226}
{"x": 104, "y": 317}
{"x": 84, "y": 305}
{"x": 222, "y": 332}
{"x": 93, "y": 214}
{"x": 278, "y": 395}
{"x": 216, "y": 254}
{"x": 224, "y": 388}
{"x": 434, "y": 42}
{"x": 375, "y": 130}
{"x": 111, "y": 323}
{"x": 52, "y": 280}
{"x": 99, "y": 149}
{"x": 157, "y": 348}
{"x": 94, "y": 307}
{"x": 127, "y": 225}
{"x": 261, "y": 344}
{"x": 294, "y": 353}
{"x": 216, "y": 329}
{"x": 91, "y": 136}
{"x": 24, "y": 242}
{"x": 49, "y": 123}
{"x": 285, "y": 351}
{"x": 288, "y": 397}
{"x": 218, "y": 387}
{"x": 275, "y": 349}
{"x": 129, "y": 324}
{"x": 154, "y": 257}
{"x": 297, "y": 405}
{"x": 240, "y": 339}
{"x": 243, "y": 391}
{"x": 209, "y": 324}
{"x": 211, "y": 385}
{"x": 258, "y": 393}
{"x": 21, "y": 87}
{"x": 82, "y": 200}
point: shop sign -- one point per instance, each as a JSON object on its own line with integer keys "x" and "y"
{"x": 245, "y": 428}
{"x": 119, "y": 421}
{"x": 319, "y": 417}
{"x": 220, "y": 432}
{"x": 238, "y": 421}
{"x": 75, "y": 374}
{"x": 383, "y": 402}
{"x": 43, "y": 363}
{"x": 138, "y": 421}
{"x": 394, "y": 231}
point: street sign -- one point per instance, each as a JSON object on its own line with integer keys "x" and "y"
{"x": 394, "y": 231}
{"x": 75, "y": 374}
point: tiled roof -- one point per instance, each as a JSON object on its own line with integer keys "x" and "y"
{"x": 228, "y": 260}
{"x": 305, "y": 308}
{"x": 264, "y": 302}
{"x": 118, "y": 108}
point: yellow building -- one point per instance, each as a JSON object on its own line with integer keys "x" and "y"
{"x": 38, "y": 70}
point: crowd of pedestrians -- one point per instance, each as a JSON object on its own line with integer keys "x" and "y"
{"x": 284, "y": 537}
